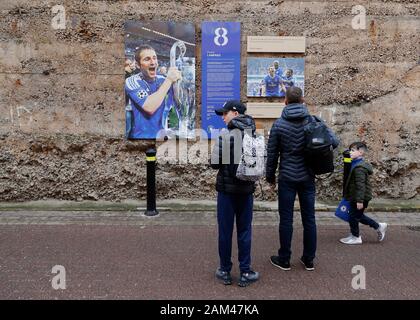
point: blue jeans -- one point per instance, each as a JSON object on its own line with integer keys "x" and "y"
{"x": 230, "y": 206}
{"x": 286, "y": 194}
{"x": 357, "y": 216}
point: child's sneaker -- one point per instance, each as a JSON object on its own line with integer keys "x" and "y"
{"x": 351, "y": 240}
{"x": 347, "y": 238}
{"x": 381, "y": 231}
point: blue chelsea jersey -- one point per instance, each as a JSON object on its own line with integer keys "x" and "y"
{"x": 279, "y": 72}
{"x": 147, "y": 126}
{"x": 287, "y": 82}
{"x": 272, "y": 86}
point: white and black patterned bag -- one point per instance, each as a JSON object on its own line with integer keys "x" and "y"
{"x": 252, "y": 164}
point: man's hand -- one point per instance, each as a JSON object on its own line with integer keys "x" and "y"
{"x": 359, "y": 206}
{"x": 173, "y": 74}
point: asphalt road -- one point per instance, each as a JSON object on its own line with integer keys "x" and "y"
{"x": 169, "y": 261}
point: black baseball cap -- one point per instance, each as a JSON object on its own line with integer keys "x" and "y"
{"x": 231, "y": 105}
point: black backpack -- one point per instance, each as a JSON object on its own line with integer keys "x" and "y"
{"x": 319, "y": 156}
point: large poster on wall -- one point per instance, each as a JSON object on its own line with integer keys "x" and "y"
{"x": 220, "y": 57}
{"x": 159, "y": 80}
{"x": 270, "y": 77}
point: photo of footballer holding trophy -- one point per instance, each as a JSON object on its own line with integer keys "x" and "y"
{"x": 159, "y": 80}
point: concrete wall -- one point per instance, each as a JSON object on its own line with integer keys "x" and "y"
{"x": 61, "y": 93}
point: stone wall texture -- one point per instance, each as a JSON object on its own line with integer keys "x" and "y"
{"x": 62, "y": 100}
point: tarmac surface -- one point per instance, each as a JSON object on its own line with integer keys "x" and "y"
{"x": 125, "y": 255}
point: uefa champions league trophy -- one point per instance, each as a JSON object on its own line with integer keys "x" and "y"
{"x": 184, "y": 90}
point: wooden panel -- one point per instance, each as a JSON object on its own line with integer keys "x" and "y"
{"x": 265, "y": 110}
{"x": 276, "y": 44}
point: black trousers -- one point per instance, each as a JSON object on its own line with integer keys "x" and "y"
{"x": 358, "y": 216}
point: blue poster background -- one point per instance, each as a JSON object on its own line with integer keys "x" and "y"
{"x": 221, "y": 67}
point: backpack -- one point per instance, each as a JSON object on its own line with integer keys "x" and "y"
{"x": 252, "y": 164}
{"x": 318, "y": 150}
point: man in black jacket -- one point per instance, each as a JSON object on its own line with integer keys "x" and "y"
{"x": 235, "y": 197}
{"x": 287, "y": 139}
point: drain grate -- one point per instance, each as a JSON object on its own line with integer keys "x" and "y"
{"x": 414, "y": 228}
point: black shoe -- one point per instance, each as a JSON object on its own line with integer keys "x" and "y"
{"x": 247, "y": 278}
{"x": 224, "y": 277}
{"x": 283, "y": 265}
{"x": 309, "y": 264}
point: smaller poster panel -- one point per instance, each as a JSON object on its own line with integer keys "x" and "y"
{"x": 270, "y": 77}
{"x": 221, "y": 66}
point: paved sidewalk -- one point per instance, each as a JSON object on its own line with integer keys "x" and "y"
{"x": 125, "y": 255}
{"x": 181, "y": 218}
{"x": 182, "y": 205}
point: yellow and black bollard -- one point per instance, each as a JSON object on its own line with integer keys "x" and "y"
{"x": 151, "y": 182}
{"x": 346, "y": 167}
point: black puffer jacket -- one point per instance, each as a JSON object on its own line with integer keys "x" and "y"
{"x": 287, "y": 139}
{"x": 226, "y": 156}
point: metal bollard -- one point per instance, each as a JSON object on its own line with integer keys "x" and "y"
{"x": 151, "y": 182}
{"x": 346, "y": 167}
